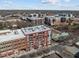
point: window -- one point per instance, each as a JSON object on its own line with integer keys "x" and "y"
{"x": 34, "y": 15}
{"x": 53, "y": 20}
{"x": 63, "y": 19}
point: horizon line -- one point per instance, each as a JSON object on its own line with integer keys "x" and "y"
{"x": 42, "y": 9}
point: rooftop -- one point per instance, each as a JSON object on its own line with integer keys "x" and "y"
{"x": 72, "y": 50}
{"x": 34, "y": 29}
{"x": 53, "y": 17}
{"x": 34, "y": 18}
{"x": 58, "y": 16}
{"x": 11, "y": 35}
{"x": 6, "y": 35}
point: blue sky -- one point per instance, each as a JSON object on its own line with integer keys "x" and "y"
{"x": 40, "y": 4}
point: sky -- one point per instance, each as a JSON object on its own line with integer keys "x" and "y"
{"x": 40, "y": 4}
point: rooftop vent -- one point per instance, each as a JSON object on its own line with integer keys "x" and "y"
{"x": 43, "y": 27}
{"x": 31, "y": 29}
{"x": 16, "y": 32}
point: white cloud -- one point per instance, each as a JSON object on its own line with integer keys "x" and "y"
{"x": 53, "y": 2}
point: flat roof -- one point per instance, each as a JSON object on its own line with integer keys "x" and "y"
{"x": 35, "y": 29}
{"x": 34, "y": 18}
{"x": 72, "y": 50}
{"x": 56, "y": 16}
{"x": 3, "y": 31}
{"x": 53, "y": 17}
{"x": 11, "y": 35}
{"x": 20, "y": 33}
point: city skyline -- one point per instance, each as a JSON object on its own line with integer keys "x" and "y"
{"x": 40, "y": 4}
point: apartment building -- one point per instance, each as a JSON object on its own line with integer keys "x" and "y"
{"x": 55, "y": 20}
{"x": 14, "y": 41}
{"x": 37, "y": 15}
{"x": 59, "y": 19}
{"x": 38, "y": 36}
{"x": 35, "y": 21}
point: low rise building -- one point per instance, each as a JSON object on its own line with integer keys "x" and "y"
{"x": 71, "y": 50}
{"x": 59, "y": 36}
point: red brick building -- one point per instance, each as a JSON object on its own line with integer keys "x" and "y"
{"x": 38, "y": 36}
{"x": 14, "y": 41}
